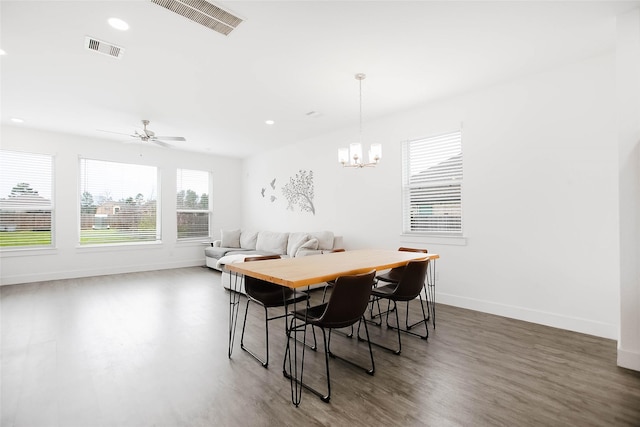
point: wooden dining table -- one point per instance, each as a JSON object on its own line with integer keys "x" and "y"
{"x": 310, "y": 270}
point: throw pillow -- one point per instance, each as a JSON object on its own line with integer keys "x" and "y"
{"x": 311, "y": 244}
{"x": 248, "y": 239}
{"x": 230, "y": 238}
{"x": 325, "y": 239}
{"x": 273, "y": 242}
{"x": 295, "y": 241}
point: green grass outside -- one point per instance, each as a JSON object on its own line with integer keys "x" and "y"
{"x": 25, "y": 238}
{"x": 87, "y": 237}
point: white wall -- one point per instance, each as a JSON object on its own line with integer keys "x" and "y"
{"x": 540, "y": 196}
{"x": 628, "y": 79}
{"x": 68, "y": 259}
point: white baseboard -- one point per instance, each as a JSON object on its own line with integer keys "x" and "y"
{"x": 104, "y": 271}
{"x": 585, "y": 326}
{"x": 628, "y": 359}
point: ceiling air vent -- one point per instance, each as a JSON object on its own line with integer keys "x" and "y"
{"x": 204, "y": 13}
{"x": 103, "y": 47}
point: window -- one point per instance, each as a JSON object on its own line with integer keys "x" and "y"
{"x": 26, "y": 199}
{"x": 118, "y": 203}
{"x": 432, "y": 185}
{"x": 193, "y": 206}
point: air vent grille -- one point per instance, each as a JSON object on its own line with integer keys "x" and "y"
{"x": 204, "y": 13}
{"x": 103, "y": 47}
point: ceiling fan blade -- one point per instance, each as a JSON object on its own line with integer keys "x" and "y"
{"x": 160, "y": 143}
{"x": 171, "y": 138}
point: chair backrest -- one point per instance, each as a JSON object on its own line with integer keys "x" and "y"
{"x": 403, "y": 249}
{"x": 398, "y": 270}
{"x": 261, "y": 258}
{"x": 412, "y": 280}
{"x": 260, "y": 289}
{"x": 348, "y": 301}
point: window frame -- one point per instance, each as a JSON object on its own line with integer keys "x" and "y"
{"x": 119, "y": 242}
{"x": 50, "y": 160}
{"x": 443, "y": 185}
{"x": 208, "y": 211}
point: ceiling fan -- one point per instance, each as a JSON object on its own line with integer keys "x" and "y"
{"x": 147, "y": 135}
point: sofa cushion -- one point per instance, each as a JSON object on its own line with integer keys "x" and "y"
{"x": 230, "y": 238}
{"x": 295, "y": 241}
{"x": 248, "y": 239}
{"x": 271, "y": 241}
{"x": 311, "y": 244}
{"x": 217, "y": 252}
{"x": 325, "y": 239}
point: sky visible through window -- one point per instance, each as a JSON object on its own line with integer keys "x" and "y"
{"x": 195, "y": 180}
{"x": 118, "y": 181}
{"x": 19, "y": 167}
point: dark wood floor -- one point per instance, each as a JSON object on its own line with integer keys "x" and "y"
{"x": 149, "y": 349}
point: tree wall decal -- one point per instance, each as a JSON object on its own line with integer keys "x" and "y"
{"x": 299, "y": 191}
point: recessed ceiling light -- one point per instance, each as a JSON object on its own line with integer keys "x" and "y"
{"x": 118, "y": 24}
{"x": 17, "y": 120}
{"x": 269, "y": 122}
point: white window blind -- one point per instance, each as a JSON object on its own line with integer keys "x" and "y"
{"x": 193, "y": 206}
{"x": 432, "y": 185}
{"x": 118, "y": 203}
{"x": 26, "y": 199}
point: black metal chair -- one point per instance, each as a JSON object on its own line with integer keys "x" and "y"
{"x": 394, "y": 275}
{"x": 346, "y": 306}
{"x": 409, "y": 287}
{"x": 267, "y": 295}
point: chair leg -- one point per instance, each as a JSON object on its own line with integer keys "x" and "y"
{"x": 397, "y": 323}
{"x": 324, "y": 397}
{"x": 313, "y": 347}
{"x": 327, "y": 397}
{"x": 244, "y": 323}
{"x": 425, "y": 315}
{"x": 372, "y": 316}
{"x": 264, "y": 363}
{"x": 327, "y": 353}
{"x": 394, "y": 351}
{"x": 407, "y": 331}
{"x": 366, "y": 330}
{"x": 399, "y": 329}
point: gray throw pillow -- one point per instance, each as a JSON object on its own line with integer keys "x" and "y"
{"x": 230, "y": 238}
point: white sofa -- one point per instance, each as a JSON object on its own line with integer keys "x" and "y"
{"x": 254, "y": 243}
{"x": 235, "y": 245}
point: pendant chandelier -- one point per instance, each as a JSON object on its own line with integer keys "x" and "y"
{"x": 352, "y": 157}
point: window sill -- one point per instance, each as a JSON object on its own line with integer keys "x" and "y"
{"x": 433, "y": 239}
{"x": 15, "y": 252}
{"x": 109, "y": 247}
{"x": 197, "y": 241}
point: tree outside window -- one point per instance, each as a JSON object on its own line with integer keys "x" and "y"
{"x": 26, "y": 205}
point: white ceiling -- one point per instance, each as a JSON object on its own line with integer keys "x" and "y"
{"x": 287, "y": 59}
